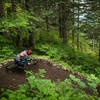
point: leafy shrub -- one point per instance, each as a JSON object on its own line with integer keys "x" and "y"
{"x": 36, "y": 89}
{"x": 48, "y": 37}
{"x": 78, "y": 60}
{"x": 4, "y": 40}
{"x": 77, "y": 80}
{"x": 9, "y": 24}
{"x": 42, "y": 89}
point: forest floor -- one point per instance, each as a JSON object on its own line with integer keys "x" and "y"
{"x": 11, "y": 80}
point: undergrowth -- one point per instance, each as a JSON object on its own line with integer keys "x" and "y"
{"x": 38, "y": 88}
{"x": 71, "y": 57}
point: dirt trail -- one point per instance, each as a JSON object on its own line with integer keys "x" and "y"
{"x": 11, "y": 80}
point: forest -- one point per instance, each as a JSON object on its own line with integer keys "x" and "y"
{"x": 49, "y": 49}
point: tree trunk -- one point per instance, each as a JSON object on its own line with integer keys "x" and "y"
{"x": 73, "y": 27}
{"x": 81, "y": 47}
{"x": 78, "y": 46}
{"x": 98, "y": 89}
{"x": 19, "y": 40}
{"x": 47, "y": 23}
{"x": 32, "y": 40}
{"x": 47, "y": 18}
{"x": 63, "y": 14}
{"x": 64, "y": 22}
{"x": 13, "y": 5}
{"x": 92, "y": 44}
{"x": 27, "y": 5}
{"x": 60, "y": 20}
{"x": 99, "y": 51}
{"x": 1, "y": 9}
{"x": 8, "y": 11}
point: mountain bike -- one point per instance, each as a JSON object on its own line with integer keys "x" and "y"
{"x": 13, "y": 65}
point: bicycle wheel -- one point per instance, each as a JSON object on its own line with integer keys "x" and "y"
{"x": 33, "y": 61}
{"x": 11, "y": 65}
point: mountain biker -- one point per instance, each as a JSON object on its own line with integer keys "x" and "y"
{"x": 23, "y": 56}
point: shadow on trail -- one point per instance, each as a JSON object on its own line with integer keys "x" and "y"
{"x": 19, "y": 71}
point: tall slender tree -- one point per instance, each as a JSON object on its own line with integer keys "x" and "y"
{"x": 1, "y": 9}
{"x": 73, "y": 22}
{"x": 63, "y": 18}
{"x": 78, "y": 23}
{"x": 13, "y": 5}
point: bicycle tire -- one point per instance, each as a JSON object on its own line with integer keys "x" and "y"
{"x": 34, "y": 62}
{"x": 10, "y": 66}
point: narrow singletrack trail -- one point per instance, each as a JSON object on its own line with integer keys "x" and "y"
{"x": 11, "y": 80}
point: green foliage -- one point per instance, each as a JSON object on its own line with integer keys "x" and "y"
{"x": 41, "y": 73}
{"x": 36, "y": 89}
{"x": 7, "y": 51}
{"x": 7, "y": 5}
{"x": 52, "y": 36}
{"x": 7, "y": 48}
{"x": 23, "y": 22}
{"x": 93, "y": 81}
{"x": 86, "y": 62}
{"x": 40, "y": 88}
{"x": 20, "y": 22}
{"x": 77, "y": 60}
{"x": 10, "y": 24}
{"x": 4, "y": 40}
{"x": 43, "y": 89}
{"x": 78, "y": 81}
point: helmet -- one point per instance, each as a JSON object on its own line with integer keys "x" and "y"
{"x": 29, "y": 52}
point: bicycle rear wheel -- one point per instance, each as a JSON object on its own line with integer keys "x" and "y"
{"x": 11, "y": 65}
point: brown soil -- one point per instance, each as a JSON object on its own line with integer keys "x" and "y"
{"x": 11, "y": 80}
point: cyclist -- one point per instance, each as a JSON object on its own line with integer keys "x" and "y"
{"x": 23, "y": 56}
